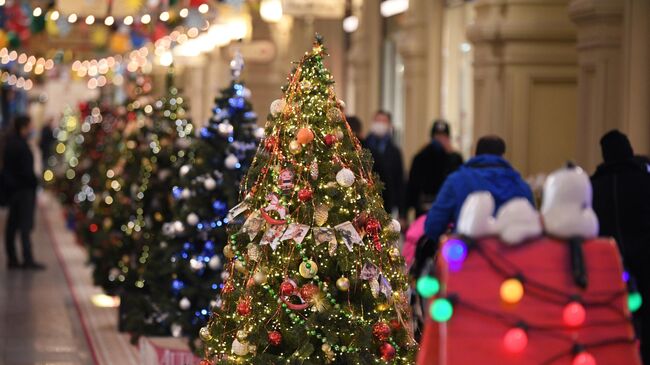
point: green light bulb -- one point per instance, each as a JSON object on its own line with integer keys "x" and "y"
{"x": 441, "y": 310}
{"x": 427, "y": 286}
{"x": 634, "y": 301}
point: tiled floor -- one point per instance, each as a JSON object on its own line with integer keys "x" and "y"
{"x": 38, "y": 320}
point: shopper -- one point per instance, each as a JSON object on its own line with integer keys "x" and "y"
{"x": 430, "y": 167}
{"x": 388, "y": 160}
{"x": 621, "y": 200}
{"x": 20, "y": 185}
{"x": 487, "y": 171}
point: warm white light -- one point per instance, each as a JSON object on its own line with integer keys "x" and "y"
{"x": 128, "y": 20}
{"x": 90, "y": 19}
{"x": 109, "y": 21}
{"x": 205, "y": 44}
{"x": 2, "y": 2}
{"x": 28, "y": 85}
{"x": 72, "y": 18}
{"x": 271, "y": 10}
{"x": 145, "y": 19}
{"x": 49, "y": 64}
{"x": 183, "y": 13}
{"x": 166, "y": 59}
{"x": 393, "y": 7}
{"x": 92, "y": 83}
{"x": 37, "y": 11}
{"x": 350, "y": 24}
{"x": 238, "y": 28}
{"x": 203, "y": 8}
{"x": 22, "y": 58}
{"x": 54, "y": 15}
{"x": 218, "y": 33}
{"x": 164, "y": 16}
{"x": 192, "y": 32}
{"x": 465, "y": 47}
{"x": 105, "y": 301}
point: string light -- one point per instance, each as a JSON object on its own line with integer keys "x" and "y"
{"x": 512, "y": 290}
{"x": 37, "y": 11}
{"x": 72, "y": 18}
{"x": 454, "y": 251}
{"x": 584, "y": 358}
{"x": 54, "y": 16}
{"x": 90, "y": 19}
{"x": 441, "y": 310}
{"x": 164, "y": 16}
{"x": 427, "y": 286}
{"x": 183, "y": 13}
{"x": 203, "y": 8}
{"x": 634, "y": 301}
{"x": 128, "y": 20}
{"x": 145, "y": 19}
{"x": 574, "y": 314}
{"x": 109, "y": 20}
{"x": 515, "y": 340}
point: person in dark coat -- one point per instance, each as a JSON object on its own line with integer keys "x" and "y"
{"x": 430, "y": 167}
{"x": 487, "y": 171}
{"x": 621, "y": 200}
{"x": 20, "y": 184}
{"x": 388, "y": 160}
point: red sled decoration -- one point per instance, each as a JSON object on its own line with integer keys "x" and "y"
{"x": 485, "y": 330}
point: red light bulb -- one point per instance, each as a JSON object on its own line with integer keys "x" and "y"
{"x": 515, "y": 340}
{"x": 574, "y": 314}
{"x": 584, "y": 358}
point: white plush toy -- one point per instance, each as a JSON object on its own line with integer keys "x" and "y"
{"x": 518, "y": 221}
{"x": 475, "y": 219}
{"x": 566, "y": 206}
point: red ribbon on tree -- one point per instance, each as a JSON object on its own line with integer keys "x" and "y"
{"x": 373, "y": 227}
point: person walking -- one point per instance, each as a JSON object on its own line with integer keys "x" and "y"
{"x": 430, "y": 167}
{"x": 621, "y": 200}
{"x": 20, "y": 184}
{"x": 388, "y": 160}
{"x": 487, "y": 171}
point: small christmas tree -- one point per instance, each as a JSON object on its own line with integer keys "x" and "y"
{"x": 207, "y": 186}
{"x": 61, "y": 172}
{"x": 315, "y": 276}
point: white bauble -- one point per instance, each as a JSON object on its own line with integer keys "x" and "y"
{"x": 341, "y": 103}
{"x": 345, "y": 177}
{"x": 238, "y": 348}
{"x": 277, "y": 106}
{"x": 395, "y": 226}
{"x": 225, "y": 128}
{"x": 214, "y": 263}
{"x": 186, "y": 193}
{"x": 259, "y": 132}
{"x": 231, "y": 161}
{"x": 168, "y": 229}
{"x": 184, "y": 304}
{"x": 184, "y": 170}
{"x": 179, "y": 227}
{"x": 225, "y": 275}
{"x": 177, "y": 330}
{"x": 192, "y": 219}
{"x": 210, "y": 183}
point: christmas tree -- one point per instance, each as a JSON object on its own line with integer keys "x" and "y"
{"x": 207, "y": 186}
{"x": 315, "y": 276}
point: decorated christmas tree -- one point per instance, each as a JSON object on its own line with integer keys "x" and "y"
{"x": 60, "y": 174}
{"x": 315, "y": 276}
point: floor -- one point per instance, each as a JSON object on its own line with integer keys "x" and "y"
{"x": 39, "y": 323}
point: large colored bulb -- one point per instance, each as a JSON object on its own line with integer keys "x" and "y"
{"x": 454, "y": 251}
{"x": 515, "y": 340}
{"x": 441, "y": 310}
{"x": 584, "y": 358}
{"x": 427, "y": 286}
{"x": 512, "y": 290}
{"x": 574, "y": 314}
{"x": 634, "y": 301}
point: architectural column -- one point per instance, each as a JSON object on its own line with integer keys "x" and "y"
{"x": 525, "y": 80}
{"x": 600, "y": 56}
{"x": 421, "y": 49}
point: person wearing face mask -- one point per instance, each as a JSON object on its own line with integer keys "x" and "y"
{"x": 388, "y": 160}
{"x": 20, "y": 184}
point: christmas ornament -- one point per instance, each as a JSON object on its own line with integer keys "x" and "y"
{"x": 305, "y": 194}
{"x": 225, "y": 129}
{"x": 177, "y": 330}
{"x": 184, "y": 170}
{"x": 305, "y": 85}
{"x": 244, "y": 308}
{"x": 285, "y": 182}
{"x": 275, "y": 338}
{"x": 345, "y": 177}
{"x": 259, "y": 133}
{"x": 387, "y": 351}
{"x": 239, "y": 266}
{"x": 270, "y": 143}
{"x": 308, "y": 291}
{"x": 242, "y": 335}
{"x": 259, "y": 277}
{"x": 321, "y": 213}
{"x": 381, "y": 331}
{"x": 343, "y": 283}
{"x": 253, "y": 252}
{"x": 228, "y": 287}
{"x": 204, "y": 333}
{"x": 373, "y": 227}
{"x": 295, "y": 147}
{"x": 210, "y": 183}
{"x": 277, "y": 106}
{"x": 239, "y": 348}
{"x": 205, "y": 362}
{"x": 184, "y": 304}
{"x": 305, "y": 136}
{"x": 287, "y": 287}
{"x": 231, "y": 161}
{"x": 185, "y": 194}
{"x": 313, "y": 170}
{"x": 192, "y": 219}
{"x": 338, "y": 134}
{"x": 395, "y": 325}
{"x": 308, "y": 269}
{"x": 394, "y": 253}
{"x": 395, "y": 226}
{"x": 330, "y": 140}
{"x": 228, "y": 251}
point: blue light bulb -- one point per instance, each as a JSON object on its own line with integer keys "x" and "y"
{"x": 454, "y": 251}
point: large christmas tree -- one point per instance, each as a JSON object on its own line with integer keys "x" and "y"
{"x": 60, "y": 174}
{"x": 315, "y": 274}
{"x": 207, "y": 186}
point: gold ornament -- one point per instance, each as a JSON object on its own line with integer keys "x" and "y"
{"x": 338, "y": 133}
{"x": 394, "y": 253}
{"x": 253, "y": 252}
{"x": 305, "y": 85}
{"x": 260, "y": 277}
{"x": 158, "y": 217}
{"x": 308, "y": 272}
{"x": 321, "y": 213}
{"x": 343, "y": 283}
{"x": 382, "y": 307}
{"x": 295, "y": 147}
{"x": 241, "y": 335}
{"x": 228, "y": 251}
{"x": 239, "y": 266}
{"x": 204, "y": 333}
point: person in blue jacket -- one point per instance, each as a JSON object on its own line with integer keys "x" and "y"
{"x": 487, "y": 171}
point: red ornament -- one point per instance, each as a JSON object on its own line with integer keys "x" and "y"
{"x": 228, "y": 287}
{"x": 287, "y": 287}
{"x": 275, "y": 338}
{"x": 205, "y": 362}
{"x": 330, "y": 139}
{"x": 373, "y": 227}
{"x": 93, "y": 228}
{"x": 387, "y": 351}
{"x": 381, "y": 331}
{"x": 395, "y": 325}
{"x": 305, "y": 194}
{"x": 270, "y": 143}
{"x": 244, "y": 307}
{"x": 308, "y": 291}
